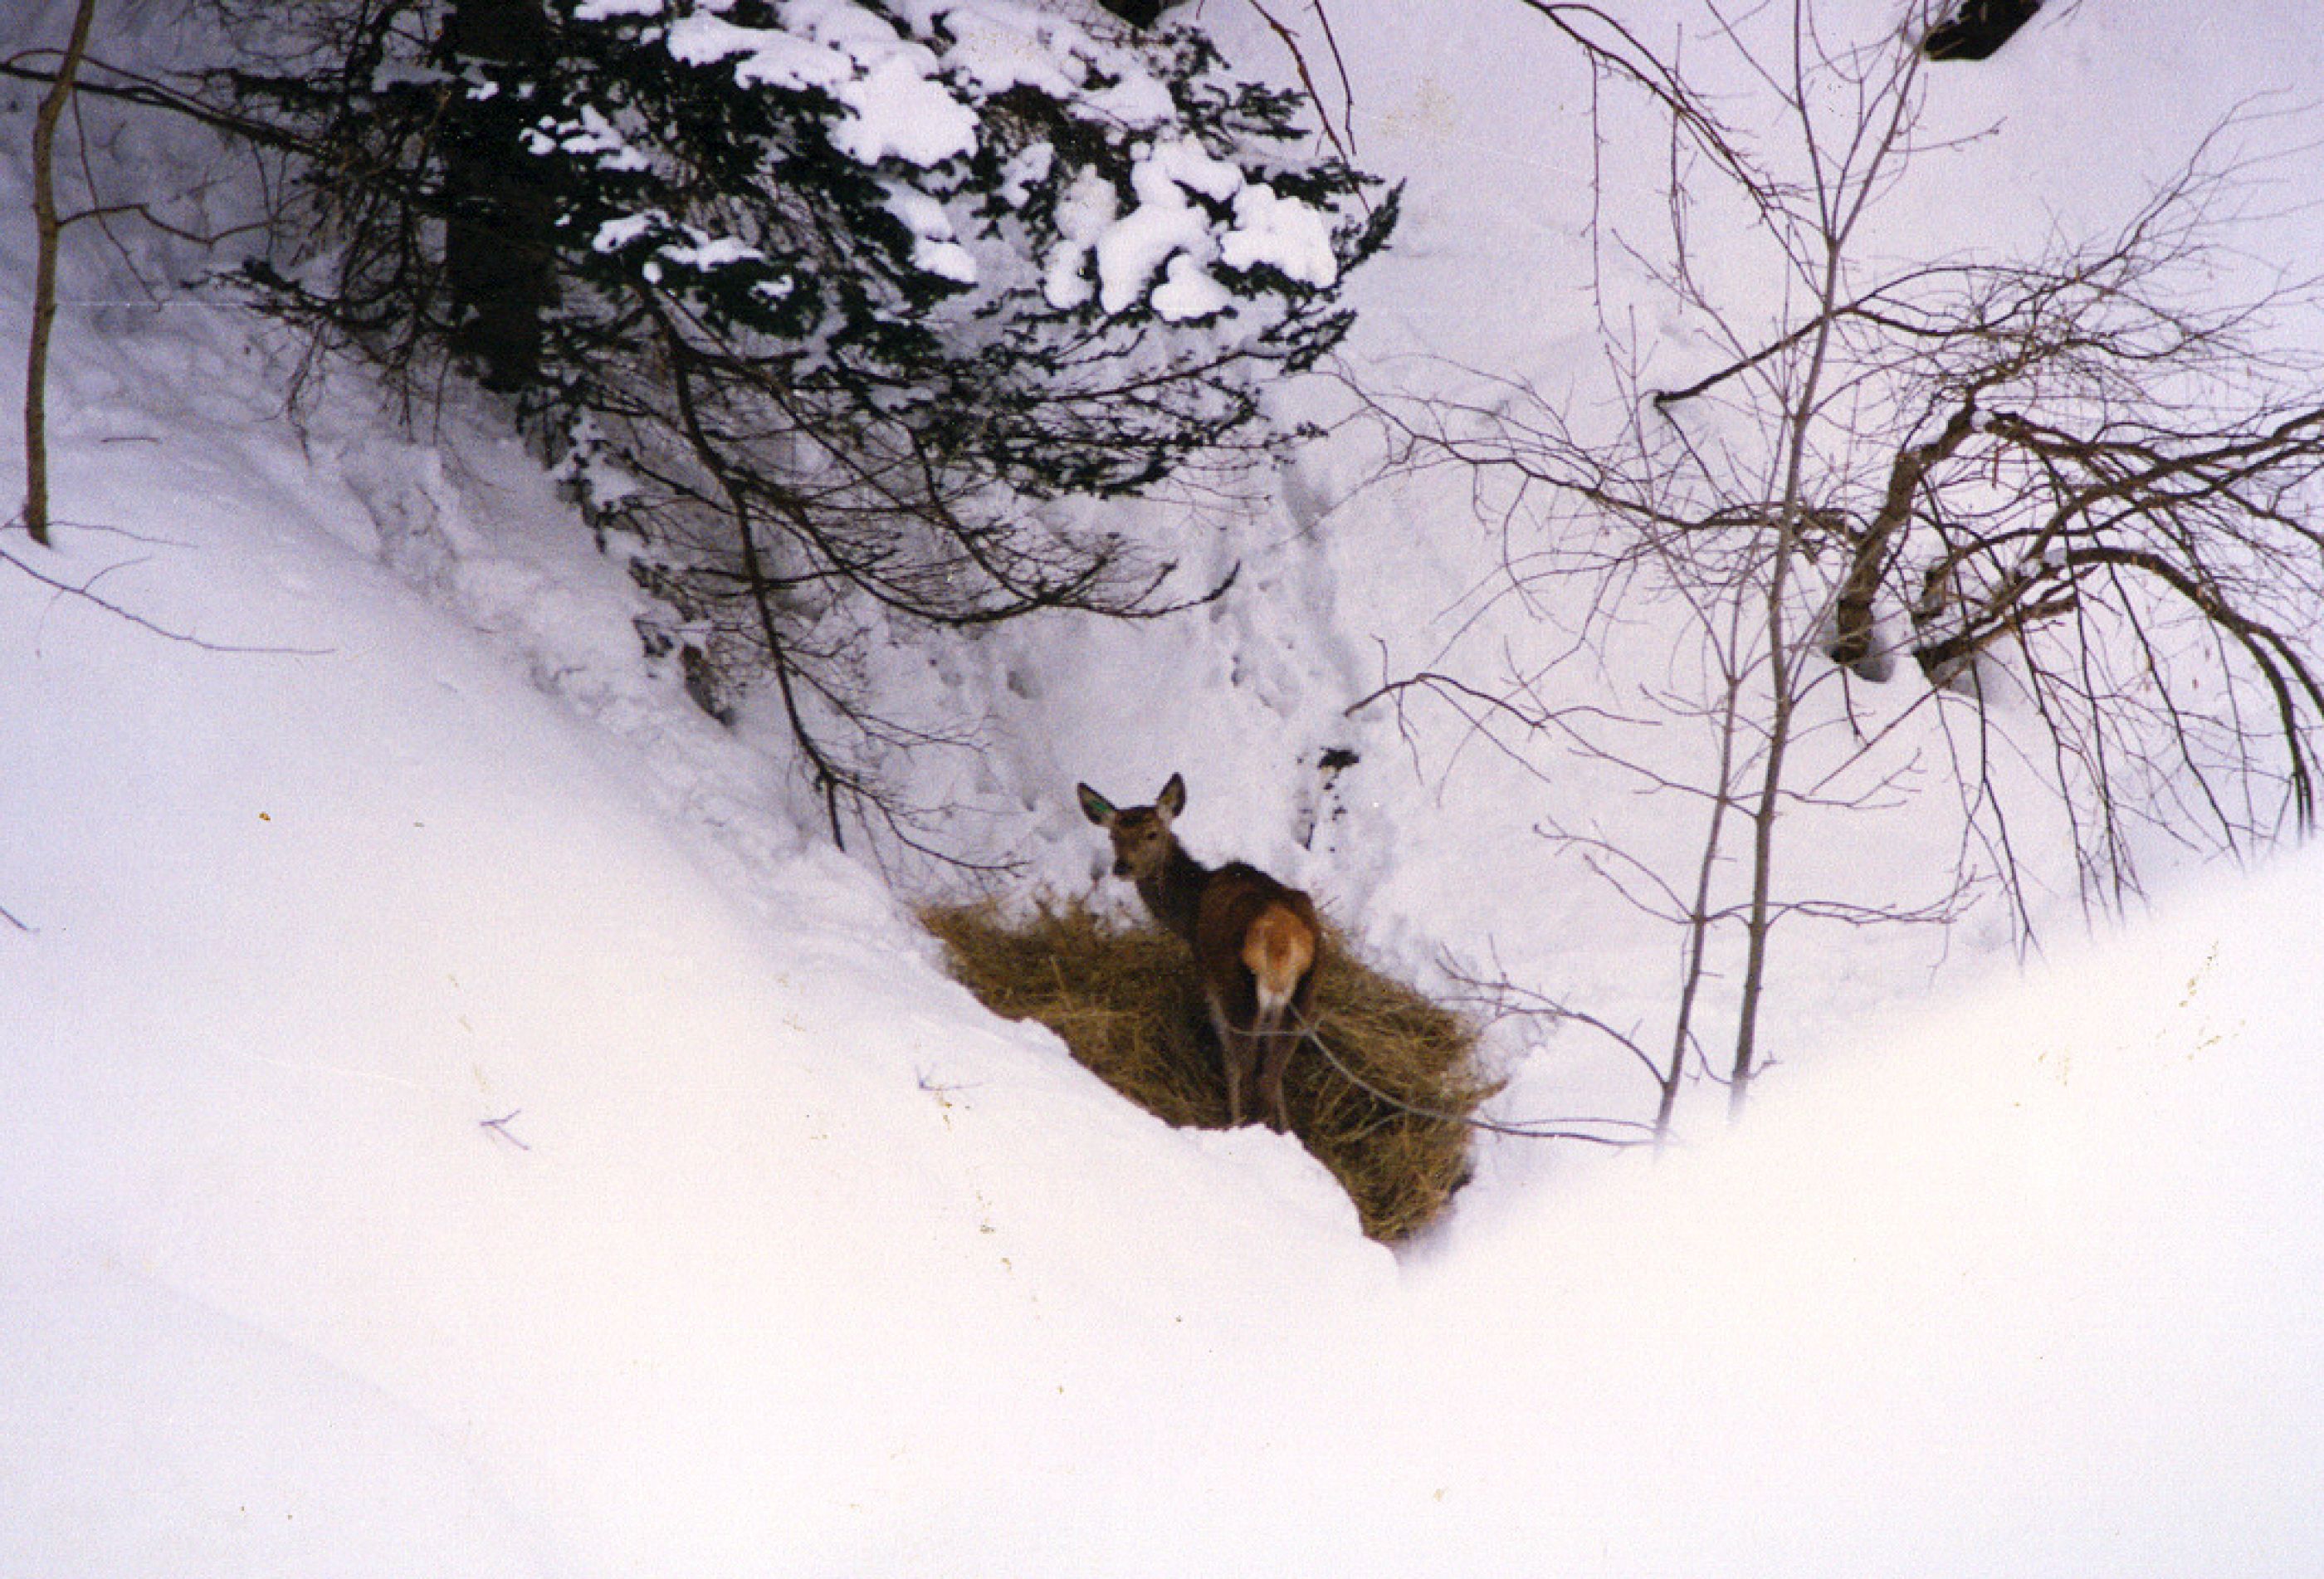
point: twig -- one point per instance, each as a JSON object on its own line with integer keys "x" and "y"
{"x": 1306, "y": 79}
{"x": 64, "y": 588}
{"x": 1540, "y": 1131}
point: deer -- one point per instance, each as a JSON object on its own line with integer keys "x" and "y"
{"x": 1256, "y": 941}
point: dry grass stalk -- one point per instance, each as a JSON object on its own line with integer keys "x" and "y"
{"x": 1124, "y": 1001}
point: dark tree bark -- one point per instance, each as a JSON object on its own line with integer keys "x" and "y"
{"x": 498, "y": 262}
{"x": 1855, "y": 604}
{"x": 1136, "y": 13}
{"x": 1977, "y": 28}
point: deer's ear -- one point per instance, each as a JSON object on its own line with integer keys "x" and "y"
{"x": 1173, "y": 798}
{"x": 1094, "y": 806}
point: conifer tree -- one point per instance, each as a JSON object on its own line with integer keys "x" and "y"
{"x": 820, "y": 297}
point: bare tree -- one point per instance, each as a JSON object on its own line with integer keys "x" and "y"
{"x": 2085, "y": 484}
{"x": 70, "y": 78}
{"x": 49, "y": 225}
{"x": 2069, "y": 489}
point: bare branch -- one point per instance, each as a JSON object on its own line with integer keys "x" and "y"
{"x": 86, "y": 592}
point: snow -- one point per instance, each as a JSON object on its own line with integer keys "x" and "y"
{"x": 1167, "y": 232}
{"x": 1180, "y": 162}
{"x": 2028, "y": 1290}
{"x": 902, "y": 112}
{"x": 935, "y": 246}
{"x": 1084, "y": 211}
{"x": 290, "y": 1127}
{"x": 999, "y": 48}
{"x": 222, "y": 1450}
{"x": 1161, "y": 229}
{"x": 767, "y": 55}
{"x": 1188, "y": 291}
{"x": 589, "y": 132}
{"x": 1283, "y": 233}
{"x": 901, "y": 108}
{"x": 462, "y": 1119}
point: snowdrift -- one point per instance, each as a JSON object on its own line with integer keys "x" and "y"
{"x": 417, "y": 1160}
{"x": 454, "y": 1122}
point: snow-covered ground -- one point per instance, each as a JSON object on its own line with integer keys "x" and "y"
{"x": 460, "y": 1119}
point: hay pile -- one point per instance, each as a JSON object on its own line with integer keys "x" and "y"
{"x": 1125, "y": 1002}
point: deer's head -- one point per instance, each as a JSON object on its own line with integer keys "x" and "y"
{"x": 1141, "y": 834}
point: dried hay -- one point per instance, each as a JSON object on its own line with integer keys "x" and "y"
{"x": 1381, "y": 1103}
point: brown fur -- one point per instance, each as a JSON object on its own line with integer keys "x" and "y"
{"x": 1256, "y": 941}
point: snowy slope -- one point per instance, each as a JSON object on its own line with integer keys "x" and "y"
{"x": 309, "y": 912}
{"x": 2031, "y": 1289}
{"x": 457, "y": 1122}
{"x": 803, "y": 1267}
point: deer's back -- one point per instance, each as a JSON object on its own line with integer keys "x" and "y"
{"x": 1234, "y": 898}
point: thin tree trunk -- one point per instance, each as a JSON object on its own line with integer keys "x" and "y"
{"x": 44, "y": 275}
{"x": 1699, "y": 921}
{"x": 1842, "y": 198}
{"x": 1760, "y": 920}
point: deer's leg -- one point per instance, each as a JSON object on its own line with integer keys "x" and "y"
{"x": 1282, "y": 1027}
{"x": 1278, "y": 1042}
{"x": 1236, "y": 1056}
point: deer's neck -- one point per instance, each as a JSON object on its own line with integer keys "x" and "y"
{"x": 1175, "y": 893}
